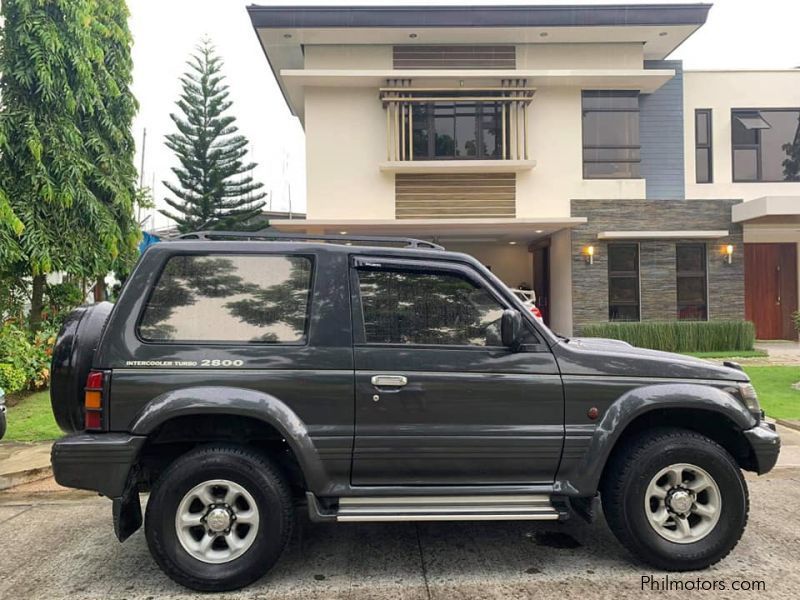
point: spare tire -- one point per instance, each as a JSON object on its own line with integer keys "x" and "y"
{"x": 72, "y": 360}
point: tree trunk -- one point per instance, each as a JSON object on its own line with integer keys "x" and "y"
{"x": 100, "y": 289}
{"x": 37, "y": 303}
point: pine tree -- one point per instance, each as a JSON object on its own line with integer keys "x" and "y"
{"x": 61, "y": 172}
{"x": 214, "y": 188}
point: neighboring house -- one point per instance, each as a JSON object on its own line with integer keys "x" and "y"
{"x": 559, "y": 146}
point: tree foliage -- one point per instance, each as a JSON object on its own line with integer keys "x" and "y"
{"x": 66, "y": 170}
{"x": 214, "y": 189}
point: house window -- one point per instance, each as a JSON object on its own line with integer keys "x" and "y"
{"x": 611, "y": 147}
{"x": 623, "y": 282}
{"x": 766, "y": 145}
{"x": 703, "y": 166}
{"x": 692, "y": 282}
{"x": 457, "y": 130}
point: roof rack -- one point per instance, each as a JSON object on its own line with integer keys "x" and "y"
{"x": 267, "y": 235}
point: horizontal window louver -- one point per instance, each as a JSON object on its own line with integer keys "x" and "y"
{"x": 454, "y": 57}
{"x": 453, "y": 196}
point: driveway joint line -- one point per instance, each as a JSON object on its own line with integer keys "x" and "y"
{"x": 422, "y": 563}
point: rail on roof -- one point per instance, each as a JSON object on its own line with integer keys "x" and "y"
{"x": 303, "y": 237}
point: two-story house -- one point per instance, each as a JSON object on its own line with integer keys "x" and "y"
{"x": 557, "y": 144}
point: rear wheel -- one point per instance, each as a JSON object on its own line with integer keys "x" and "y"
{"x": 219, "y": 518}
{"x": 675, "y": 499}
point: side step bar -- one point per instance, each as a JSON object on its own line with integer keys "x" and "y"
{"x": 437, "y": 508}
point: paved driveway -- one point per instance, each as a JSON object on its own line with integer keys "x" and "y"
{"x": 61, "y": 545}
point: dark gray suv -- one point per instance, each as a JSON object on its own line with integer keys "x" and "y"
{"x": 239, "y": 377}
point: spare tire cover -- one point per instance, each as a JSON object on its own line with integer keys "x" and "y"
{"x": 72, "y": 360}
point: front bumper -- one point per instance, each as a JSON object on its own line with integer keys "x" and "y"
{"x": 766, "y": 446}
{"x": 99, "y": 462}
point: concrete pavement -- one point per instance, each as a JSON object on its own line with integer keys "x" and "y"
{"x": 61, "y": 545}
{"x": 21, "y": 463}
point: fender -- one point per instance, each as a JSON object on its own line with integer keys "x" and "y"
{"x": 585, "y": 477}
{"x": 239, "y": 402}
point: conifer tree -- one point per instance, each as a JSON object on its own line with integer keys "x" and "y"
{"x": 214, "y": 189}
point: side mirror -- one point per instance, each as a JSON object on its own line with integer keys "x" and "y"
{"x": 511, "y": 328}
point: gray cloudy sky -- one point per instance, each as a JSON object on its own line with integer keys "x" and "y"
{"x": 739, "y": 34}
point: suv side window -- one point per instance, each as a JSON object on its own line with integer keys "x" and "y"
{"x": 427, "y": 308}
{"x": 229, "y": 298}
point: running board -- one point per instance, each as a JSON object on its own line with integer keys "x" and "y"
{"x": 439, "y": 508}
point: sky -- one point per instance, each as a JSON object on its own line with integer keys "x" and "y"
{"x": 739, "y": 34}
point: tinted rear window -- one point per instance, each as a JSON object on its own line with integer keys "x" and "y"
{"x": 229, "y": 298}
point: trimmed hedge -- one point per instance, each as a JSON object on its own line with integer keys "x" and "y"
{"x": 679, "y": 336}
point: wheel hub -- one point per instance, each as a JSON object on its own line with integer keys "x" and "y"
{"x": 680, "y": 501}
{"x": 218, "y": 519}
{"x": 683, "y": 503}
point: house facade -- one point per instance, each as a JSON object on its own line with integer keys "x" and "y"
{"x": 559, "y": 145}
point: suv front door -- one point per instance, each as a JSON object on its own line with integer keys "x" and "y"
{"x": 439, "y": 399}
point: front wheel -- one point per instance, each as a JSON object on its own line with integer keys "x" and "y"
{"x": 218, "y": 518}
{"x": 676, "y": 499}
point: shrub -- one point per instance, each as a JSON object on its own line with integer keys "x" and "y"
{"x": 12, "y": 379}
{"x": 679, "y": 336}
{"x": 796, "y": 319}
{"x": 28, "y": 359}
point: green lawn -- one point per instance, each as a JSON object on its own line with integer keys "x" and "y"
{"x": 775, "y": 393}
{"x": 31, "y": 419}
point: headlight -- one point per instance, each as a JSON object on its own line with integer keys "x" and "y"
{"x": 748, "y": 395}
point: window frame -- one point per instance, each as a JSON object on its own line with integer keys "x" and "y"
{"x": 502, "y": 118}
{"x": 708, "y": 146}
{"x": 625, "y": 275}
{"x": 376, "y": 262}
{"x": 756, "y": 146}
{"x": 585, "y": 147}
{"x": 303, "y": 341}
{"x": 692, "y": 274}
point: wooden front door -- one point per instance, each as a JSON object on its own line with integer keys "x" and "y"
{"x": 770, "y": 287}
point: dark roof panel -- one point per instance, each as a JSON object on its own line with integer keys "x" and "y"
{"x": 609, "y": 15}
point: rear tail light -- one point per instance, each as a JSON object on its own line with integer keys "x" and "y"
{"x": 93, "y": 400}
{"x": 536, "y": 312}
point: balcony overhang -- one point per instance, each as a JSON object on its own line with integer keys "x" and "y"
{"x": 457, "y": 166}
{"x": 478, "y": 230}
{"x": 768, "y": 210}
{"x": 295, "y": 81}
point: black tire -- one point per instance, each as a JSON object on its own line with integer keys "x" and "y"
{"x": 624, "y": 487}
{"x": 245, "y": 467}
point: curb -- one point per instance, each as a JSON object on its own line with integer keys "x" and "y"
{"x": 790, "y": 424}
{"x": 10, "y": 480}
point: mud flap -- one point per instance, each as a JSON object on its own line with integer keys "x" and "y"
{"x": 127, "y": 511}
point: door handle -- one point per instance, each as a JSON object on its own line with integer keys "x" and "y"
{"x": 389, "y": 380}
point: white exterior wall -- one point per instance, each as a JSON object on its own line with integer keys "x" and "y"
{"x": 512, "y": 264}
{"x": 580, "y": 56}
{"x": 346, "y": 135}
{"x": 722, "y": 91}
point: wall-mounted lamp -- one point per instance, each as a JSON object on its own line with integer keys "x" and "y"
{"x": 589, "y": 252}
{"x": 728, "y": 253}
